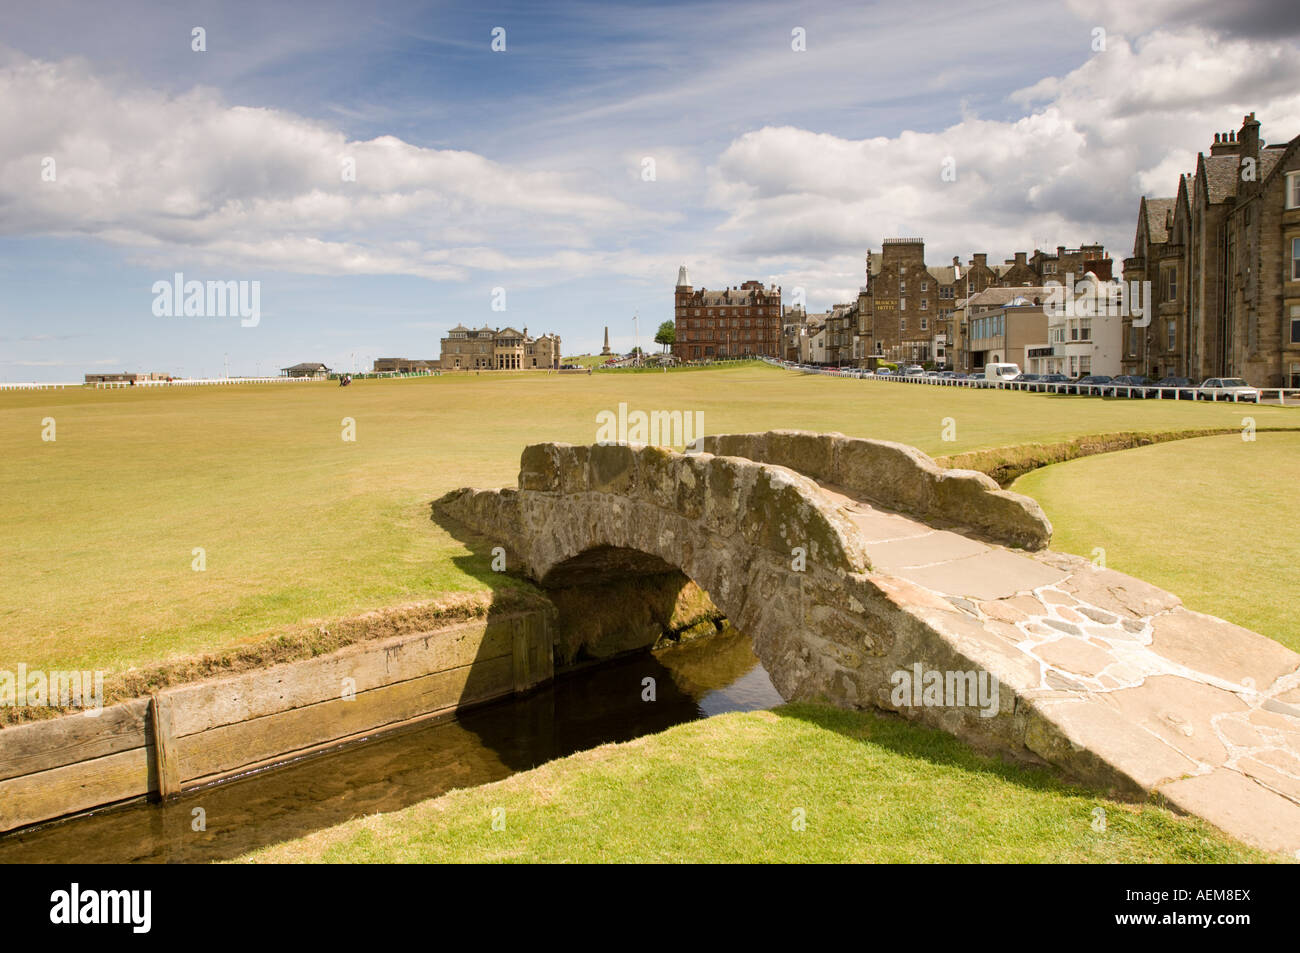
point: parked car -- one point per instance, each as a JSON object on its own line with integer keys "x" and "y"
{"x": 1127, "y": 385}
{"x": 1227, "y": 388}
{"x": 1027, "y": 381}
{"x": 884, "y": 372}
{"x": 933, "y": 374}
{"x": 913, "y": 370}
{"x": 1088, "y": 384}
{"x": 1186, "y": 389}
{"x": 1001, "y": 372}
{"x": 1051, "y": 383}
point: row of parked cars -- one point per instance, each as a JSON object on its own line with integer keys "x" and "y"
{"x": 1125, "y": 385}
{"x": 1135, "y": 386}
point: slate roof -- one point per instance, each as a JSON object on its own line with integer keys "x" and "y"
{"x": 1221, "y": 177}
{"x": 1157, "y": 213}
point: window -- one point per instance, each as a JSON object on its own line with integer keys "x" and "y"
{"x": 1171, "y": 280}
{"x": 925, "y": 286}
{"x": 925, "y": 322}
{"x": 902, "y": 287}
{"x": 1085, "y": 364}
{"x": 1295, "y": 259}
{"x": 1295, "y": 324}
{"x": 1172, "y": 332}
{"x": 902, "y": 324}
{"x": 1293, "y": 190}
{"x": 1085, "y": 330}
{"x": 902, "y": 304}
{"x": 925, "y": 303}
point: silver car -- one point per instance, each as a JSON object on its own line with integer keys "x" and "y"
{"x": 1227, "y": 388}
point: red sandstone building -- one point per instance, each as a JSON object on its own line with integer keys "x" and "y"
{"x": 743, "y": 321}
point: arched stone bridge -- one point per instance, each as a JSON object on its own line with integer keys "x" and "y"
{"x": 868, "y": 576}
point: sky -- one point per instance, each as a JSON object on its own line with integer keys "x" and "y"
{"x": 382, "y": 173}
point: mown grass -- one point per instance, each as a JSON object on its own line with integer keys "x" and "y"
{"x": 100, "y": 526}
{"x": 871, "y": 789}
{"x": 1212, "y": 519}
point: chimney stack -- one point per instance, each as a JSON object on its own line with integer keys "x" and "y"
{"x": 1248, "y": 143}
{"x": 1225, "y": 144}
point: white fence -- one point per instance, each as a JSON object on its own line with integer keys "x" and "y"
{"x": 203, "y": 382}
{"x": 1280, "y": 395}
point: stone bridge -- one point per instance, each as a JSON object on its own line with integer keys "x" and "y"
{"x": 870, "y": 577}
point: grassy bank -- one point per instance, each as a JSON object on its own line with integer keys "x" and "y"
{"x": 1211, "y": 519}
{"x": 293, "y": 522}
{"x": 870, "y": 789}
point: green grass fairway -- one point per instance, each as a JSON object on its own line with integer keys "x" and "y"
{"x": 100, "y": 525}
{"x": 1212, "y": 519}
{"x": 870, "y": 788}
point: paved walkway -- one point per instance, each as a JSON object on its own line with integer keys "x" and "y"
{"x": 1200, "y": 712}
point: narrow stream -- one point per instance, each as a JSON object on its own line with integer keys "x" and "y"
{"x": 579, "y": 710}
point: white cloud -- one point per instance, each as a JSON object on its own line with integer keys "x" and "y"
{"x": 255, "y": 187}
{"x": 1126, "y": 122}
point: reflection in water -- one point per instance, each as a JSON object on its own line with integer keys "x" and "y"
{"x": 580, "y": 710}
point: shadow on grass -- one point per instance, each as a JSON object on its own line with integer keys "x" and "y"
{"x": 894, "y": 733}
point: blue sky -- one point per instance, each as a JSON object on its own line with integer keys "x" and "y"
{"x": 523, "y": 169}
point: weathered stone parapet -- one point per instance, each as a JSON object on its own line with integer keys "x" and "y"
{"x": 899, "y": 477}
{"x": 764, "y": 506}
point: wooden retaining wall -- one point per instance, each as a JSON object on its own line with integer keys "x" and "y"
{"x": 193, "y": 734}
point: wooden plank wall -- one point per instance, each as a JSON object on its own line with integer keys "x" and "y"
{"x": 194, "y": 734}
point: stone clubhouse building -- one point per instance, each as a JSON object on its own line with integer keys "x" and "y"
{"x": 498, "y": 349}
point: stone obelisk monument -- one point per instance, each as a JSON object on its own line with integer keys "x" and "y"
{"x": 605, "y": 350}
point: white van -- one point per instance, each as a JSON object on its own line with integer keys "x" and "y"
{"x": 1001, "y": 372}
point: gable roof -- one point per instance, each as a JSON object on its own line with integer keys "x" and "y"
{"x": 1157, "y": 214}
{"x": 1220, "y": 174}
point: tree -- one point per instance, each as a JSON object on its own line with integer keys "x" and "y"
{"x": 666, "y": 335}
